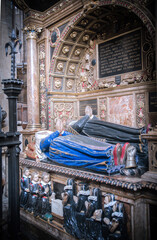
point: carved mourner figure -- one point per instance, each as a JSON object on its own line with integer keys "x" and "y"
{"x": 113, "y": 224}
{"x": 69, "y": 210}
{"x": 82, "y": 206}
{"x": 25, "y": 181}
{"x": 94, "y": 216}
{"x": 34, "y": 194}
{"x": 44, "y": 193}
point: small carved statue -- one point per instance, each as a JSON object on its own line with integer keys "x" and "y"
{"x": 94, "y": 216}
{"x": 45, "y": 193}
{"x": 69, "y": 210}
{"x": 25, "y": 181}
{"x": 81, "y": 208}
{"x": 117, "y": 225}
{"x": 34, "y": 194}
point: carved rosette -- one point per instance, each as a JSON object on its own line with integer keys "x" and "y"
{"x": 140, "y": 110}
{"x": 63, "y": 111}
{"x": 42, "y": 85}
{"x": 57, "y": 83}
{"x": 103, "y": 109}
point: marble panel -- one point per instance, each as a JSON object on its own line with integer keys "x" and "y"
{"x": 121, "y": 110}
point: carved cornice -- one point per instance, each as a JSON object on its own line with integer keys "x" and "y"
{"x": 115, "y": 181}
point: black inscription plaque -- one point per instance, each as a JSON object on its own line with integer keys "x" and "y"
{"x": 120, "y": 55}
{"x": 153, "y": 102}
{"x": 92, "y": 103}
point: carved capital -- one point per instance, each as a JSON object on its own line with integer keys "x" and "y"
{"x": 32, "y": 31}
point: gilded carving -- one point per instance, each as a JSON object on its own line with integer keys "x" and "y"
{"x": 72, "y": 68}
{"x": 57, "y": 83}
{"x": 84, "y": 22}
{"x": 60, "y": 66}
{"x": 65, "y": 50}
{"x": 69, "y": 84}
{"x": 85, "y": 38}
{"x": 77, "y": 52}
{"x": 73, "y": 35}
{"x": 32, "y": 31}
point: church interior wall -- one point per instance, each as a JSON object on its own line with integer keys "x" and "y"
{"x": 70, "y": 78}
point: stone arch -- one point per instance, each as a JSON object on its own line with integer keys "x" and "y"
{"x": 141, "y": 12}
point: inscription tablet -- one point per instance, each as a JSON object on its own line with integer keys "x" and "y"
{"x": 120, "y": 55}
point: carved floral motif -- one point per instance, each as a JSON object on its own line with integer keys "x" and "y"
{"x": 63, "y": 111}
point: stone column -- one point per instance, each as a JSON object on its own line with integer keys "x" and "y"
{"x": 32, "y": 78}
